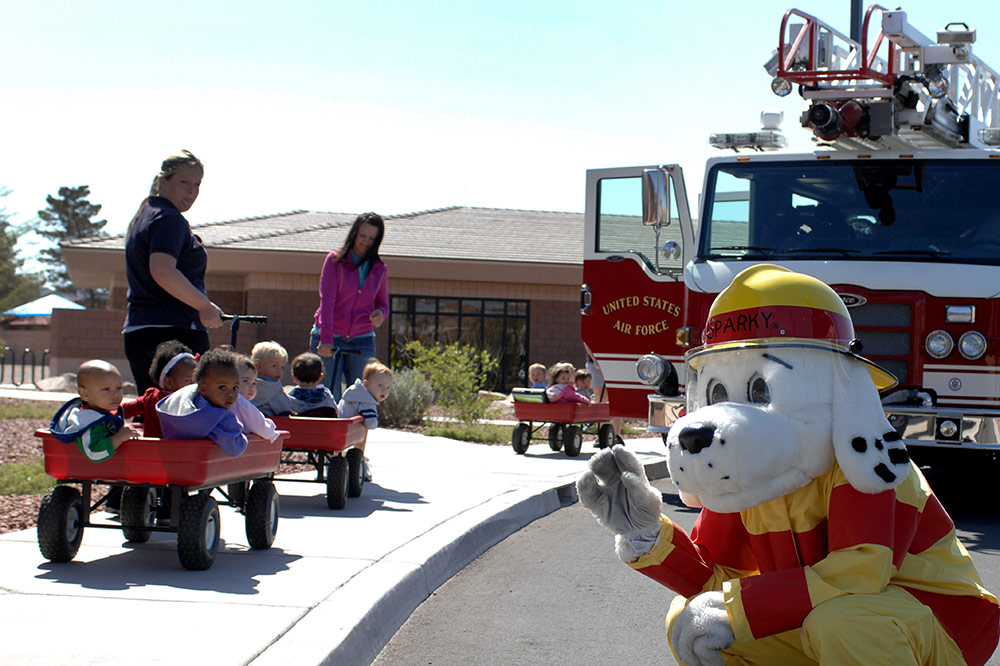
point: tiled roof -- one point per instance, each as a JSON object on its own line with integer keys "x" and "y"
{"x": 467, "y": 233}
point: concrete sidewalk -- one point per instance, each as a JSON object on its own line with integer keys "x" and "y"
{"x": 333, "y": 589}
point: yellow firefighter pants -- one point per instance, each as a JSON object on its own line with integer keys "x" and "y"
{"x": 891, "y": 628}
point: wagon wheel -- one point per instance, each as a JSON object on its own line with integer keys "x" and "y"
{"x": 60, "y": 523}
{"x": 572, "y": 441}
{"x": 198, "y": 531}
{"x": 355, "y": 472}
{"x": 520, "y": 438}
{"x": 138, "y": 513}
{"x": 262, "y": 514}
{"x": 555, "y": 436}
{"x": 606, "y": 436}
{"x": 336, "y": 482}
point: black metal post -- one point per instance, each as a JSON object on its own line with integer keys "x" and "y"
{"x": 856, "y": 20}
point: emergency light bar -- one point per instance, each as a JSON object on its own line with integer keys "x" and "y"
{"x": 761, "y": 141}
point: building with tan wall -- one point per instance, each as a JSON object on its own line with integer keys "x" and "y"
{"x": 504, "y": 280}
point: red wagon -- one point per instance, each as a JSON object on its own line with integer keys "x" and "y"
{"x": 565, "y": 422}
{"x": 329, "y": 447}
{"x": 187, "y": 469}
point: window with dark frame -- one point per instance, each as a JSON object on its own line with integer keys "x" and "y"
{"x": 499, "y": 326}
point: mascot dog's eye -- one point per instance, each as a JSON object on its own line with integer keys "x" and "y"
{"x": 758, "y": 392}
{"x": 717, "y": 392}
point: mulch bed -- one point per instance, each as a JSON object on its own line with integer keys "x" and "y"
{"x": 18, "y": 443}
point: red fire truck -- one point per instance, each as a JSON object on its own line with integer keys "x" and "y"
{"x": 895, "y": 209}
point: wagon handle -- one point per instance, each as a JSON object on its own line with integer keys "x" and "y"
{"x": 235, "y": 326}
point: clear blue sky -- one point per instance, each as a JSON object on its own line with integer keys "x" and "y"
{"x": 393, "y": 106}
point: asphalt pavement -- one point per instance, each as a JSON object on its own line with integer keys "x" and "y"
{"x": 333, "y": 589}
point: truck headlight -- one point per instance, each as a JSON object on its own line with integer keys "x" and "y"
{"x": 650, "y": 368}
{"x": 939, "y": 344}
{"x": 657, "y": 371}
{"x": 972, "y": 345}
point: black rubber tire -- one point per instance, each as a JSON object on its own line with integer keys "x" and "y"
{"x": 520, "y": 438}
{"x": 355, "y": 472}
{"x": 198, "y": 532}
{"x": 262, "y": 514}
{"x": 572, "y": 441}
{"x": 60, "y": 523}
{"x": 555, "y": 436}
{"x": 138, "y": 513}
{"x": 336, "y": 482}
{"x": 238, "y": 493}
{"x": 606, "y": 436}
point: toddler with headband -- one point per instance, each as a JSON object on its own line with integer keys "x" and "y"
{"x": 172, "y": 368}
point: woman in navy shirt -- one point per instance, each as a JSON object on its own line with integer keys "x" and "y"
{"x": 165, "y": 264}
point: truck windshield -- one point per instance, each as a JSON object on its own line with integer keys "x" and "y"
{"x": 912, "y": 210}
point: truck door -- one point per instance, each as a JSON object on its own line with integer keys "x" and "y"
{"x": 632, "y": 299}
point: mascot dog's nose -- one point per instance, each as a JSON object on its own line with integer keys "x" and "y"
{"x": 697, "y": 436}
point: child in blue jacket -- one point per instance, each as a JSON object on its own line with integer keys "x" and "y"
{"x": 94, "y": 421}
{"x": 203, "y": 409}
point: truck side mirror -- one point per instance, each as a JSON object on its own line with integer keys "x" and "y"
{"x": 655, "y": 198}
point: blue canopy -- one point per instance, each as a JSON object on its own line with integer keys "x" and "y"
{"x": 43, "y": 307}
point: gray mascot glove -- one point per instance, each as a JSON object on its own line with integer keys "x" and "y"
{"x": 701, "y": 630}
{"x": 614, "y": 488}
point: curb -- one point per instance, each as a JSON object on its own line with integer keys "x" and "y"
{"x": 392, "y": 587}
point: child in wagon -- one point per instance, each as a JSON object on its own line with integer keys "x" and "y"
{"x": 204, "y": 409}
{"x": 561, "y": 389}
{"x": 94, "y": 420}
{"x": 363, "y": 396}
{"x": 309, "y": 397}
{"x": 270, "y": 359}
{"x": 172, "y": 368}
{"x": 252, "y": 419}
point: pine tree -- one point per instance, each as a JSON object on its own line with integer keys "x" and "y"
{"x": 15, "y": 288}
{"x": 69, "y": 217}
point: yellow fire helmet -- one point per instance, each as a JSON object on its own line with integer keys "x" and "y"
{"x": 772, "y": 306}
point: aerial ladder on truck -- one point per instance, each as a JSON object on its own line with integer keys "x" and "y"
{"x": 895, "y": 90}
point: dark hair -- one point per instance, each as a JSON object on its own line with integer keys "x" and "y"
{"x": 307, "y": 368}
{"x": 165, "y": 352}
{"x": 374, "y": 219}
{"x": 216, "y": 358}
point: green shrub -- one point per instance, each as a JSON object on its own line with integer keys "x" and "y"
{"x": 456, "y": 372}
{"x": 410, "y": 398}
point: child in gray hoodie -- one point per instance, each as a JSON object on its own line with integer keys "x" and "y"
{"x": 363, "y": 397}
{"x": 270, "y": 359}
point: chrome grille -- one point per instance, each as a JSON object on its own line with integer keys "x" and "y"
{"x": 890, "y": 349}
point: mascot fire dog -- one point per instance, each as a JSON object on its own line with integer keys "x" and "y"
{"x": 818, "y": 541}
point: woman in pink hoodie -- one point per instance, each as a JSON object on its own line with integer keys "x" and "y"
{"x": 353, "y": 301}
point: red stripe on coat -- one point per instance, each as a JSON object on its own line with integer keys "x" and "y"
{"x": 684, "y": 570}
{"x": 721, "y": 541}
{"x": 776, "y": 551}
{"x": 857, "y": 518}
{"x": 726, "y": 540}
{"x": 775, "y": 602}
{"x": 935, "y": 523}
{"x": 972, "y": 622}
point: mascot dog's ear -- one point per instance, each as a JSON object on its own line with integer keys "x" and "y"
{"x": 868, "y": 449}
